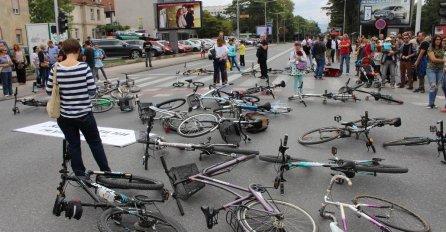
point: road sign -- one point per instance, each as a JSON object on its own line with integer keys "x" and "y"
{"x": 269, "y": 24}
{"x": 380, "y": 24}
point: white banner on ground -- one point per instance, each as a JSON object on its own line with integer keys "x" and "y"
{"x": 109, "y": 136}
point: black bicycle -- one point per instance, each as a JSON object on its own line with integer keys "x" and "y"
{"x": 377, "y": 95}
{"x": 267, "y": 89}
{"x": 121, "y": 212}
{"x": 28, "y": 101}
{"x": 415, "y": 141}
{"x": 362, "y": 126}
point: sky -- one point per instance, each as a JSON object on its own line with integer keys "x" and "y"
{"x": 301, "y": 7}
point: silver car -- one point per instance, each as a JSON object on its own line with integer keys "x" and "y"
{"x": 391, "y": 12}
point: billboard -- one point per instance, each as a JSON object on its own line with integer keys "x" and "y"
{"x": 179, "y": 15}
{"x": 440, "y": 30}
{"x": 396, "y": 13}
{"x": 263, "y": 30}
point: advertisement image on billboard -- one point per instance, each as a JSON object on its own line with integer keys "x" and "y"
{"x": 264, "y": 30}
{"x": 179, "y": 15}
{"x": 396, "y": 13}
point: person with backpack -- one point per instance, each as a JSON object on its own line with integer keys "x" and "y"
{"x": 408, "y": 52}
{"x": 99, "y": 56}
{"x": 319, "y": 54}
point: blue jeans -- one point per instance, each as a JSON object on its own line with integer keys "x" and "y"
{"x": 233, "y": 61}
{"x": 443, "y": 86}
{"x": 44, "y": 73}
{"x": 435, "y": 77}
{"x": 219, "y": 71}
{"x": 320, "y": 67}
{"x": 345, "y": 57}
{"x": 7, "y": 83}
{"x": 87, "y": 125}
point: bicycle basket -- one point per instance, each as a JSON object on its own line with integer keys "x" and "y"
{"x": 126, "y": 104}
{"x": 186, "y": 189}
{"x": 261, "y": 122}
{"x": 230, "y": 132}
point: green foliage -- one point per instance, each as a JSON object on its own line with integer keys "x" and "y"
{"x": 429, "y": 15}
{"x": 109, "y": 28}
{"x": 335, "y": 9}
{"x": 212, "y": 25}
{"x": 42, "y": 11}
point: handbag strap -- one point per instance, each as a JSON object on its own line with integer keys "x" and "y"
{"x": 55, "y": 73}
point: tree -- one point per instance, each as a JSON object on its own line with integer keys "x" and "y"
{"x": 212, "y": 25}
{"x": 42, "y": 11}
{"x": 335, "y": 9}
{"x": 106, "y": 29}
{"x": 429, "y": 15}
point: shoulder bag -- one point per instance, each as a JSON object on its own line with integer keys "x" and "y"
{"x": 53, "y": 106}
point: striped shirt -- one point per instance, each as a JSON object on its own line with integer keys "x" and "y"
{"x": 76, "y": 84}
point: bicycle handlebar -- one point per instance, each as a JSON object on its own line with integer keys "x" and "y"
{"x": 334, "y": 179}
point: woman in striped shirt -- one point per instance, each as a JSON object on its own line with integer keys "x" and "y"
{"x": 76, "y": 85}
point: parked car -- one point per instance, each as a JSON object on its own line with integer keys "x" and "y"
{"x": 391, "y": 12}
{"x": 116, "y": 47}
{"x": 182, "y": 48}
{"x": 164, "y": 45}
{"x": 156, "y": 50}
{"x": 191, "y": 45}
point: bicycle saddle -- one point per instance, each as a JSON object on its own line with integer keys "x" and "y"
{"x": 347, "y": 123}
{"x": 189, "y": 81}
{"x": 266, "y": 106}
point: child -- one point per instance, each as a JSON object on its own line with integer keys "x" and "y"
{"x": 242, "y": 51}
{"x": 387, "y": 46}
{"x": 297, "y": 60}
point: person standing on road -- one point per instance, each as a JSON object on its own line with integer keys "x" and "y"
{"x": 89, "y": 56}
{"x": 434, "y": 69}
{"x": 344, "y": 46}
{"x": 6, "y": 72}
{"x": 421, "y": 62}
{"x": 233, "y": 54}
{"x": 221, "y": 54}
{"x": 389, "y": 62}
{"x": 61, "y": 56}
{"x": 329, "y": 46}
{"x": 319, "y": 54}
{"x": 53, "y": 52}
{"x": 202, "y": 50}
{"x": 407, "y": 52}
{"x": 99, "y": 55}
{"x": 297, "y": 56}
{"x": 262, "y": 56}
{"x": 18, "y": 57}
{"x": 443, "y": 86}
{"x": 242, "y": 51}
{"x": 147, "y": 45}
{"x": 306, "y": 45}
{"x": 44, "y": 65}
{"x": 361, "y": 53}
{"x": 35, "y": 64}
{"x": 76, "y": 85}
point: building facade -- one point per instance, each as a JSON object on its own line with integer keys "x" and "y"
{"x": 87, "y": 16}
{"x": 217, "y": 10}
{"x": 14, "y": 14}
{"x": 138, "y": 14}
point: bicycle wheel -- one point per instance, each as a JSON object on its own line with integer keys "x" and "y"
{"x": 381, "y": 168}
{"x": 320, "y": 135}
{"x": 136, "y": 182}
{"x": 228, "y": 112}
{"x": 250, "y": 99}
{"x": 252, "y": 217}
{"x": 253, "y": 90}
{"x": 134, "y": 88}
{"x": 408, "y": 141}
{"x": 100, "y": 105}
{"x": 278, "y": 159}
{"x": 194, "y": 101}
{"x": 178, "y": 84}
{"x": 120, "y": 92}
{"x": 198, "y": 125}
{"x": 392, "y": 215}
{"x": 172, "y": 123}
{"x": 114, "y": 219}
{"x": 171, "y": 104}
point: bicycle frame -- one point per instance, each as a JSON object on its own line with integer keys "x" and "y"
{"x": 356, "y": 208}
{"x": 205, "y": 96}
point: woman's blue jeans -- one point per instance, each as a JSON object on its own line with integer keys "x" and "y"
{"x": 7, "y": 83}
{"x": 435, "y": 77}
{"x": 233, "y": 61}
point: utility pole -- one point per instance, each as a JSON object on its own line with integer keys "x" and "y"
{"x": 56, "y": 16}
{"x": 277, "y": 26}
{"x": 238, "y": 20}
{"x": 418, "y": 18}
{"x": 343, "y": 26}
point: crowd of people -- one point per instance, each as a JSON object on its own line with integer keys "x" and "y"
{"x": 399, "y": 59}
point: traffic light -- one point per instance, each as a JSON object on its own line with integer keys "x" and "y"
{"x": 62, "y": 22}
{"x": 442, "y": 9}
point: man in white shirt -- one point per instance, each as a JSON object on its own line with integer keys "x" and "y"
{"x": 306, "y": 46}
{"x": 35, "y": 64}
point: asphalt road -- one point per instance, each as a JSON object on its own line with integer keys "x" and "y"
{"x": 30, "y": 163}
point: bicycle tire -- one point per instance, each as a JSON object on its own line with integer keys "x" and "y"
{"x": 198, "y": 84}
{"x": 178, "y": 84}
{"x": 198, "y": 125}
{"x": 278, "y": 159}
{"x": 396, "y": 208}
{"x": 138, "y": 182}
{"x": 171, "y": 104}
{"x": 251, "y": 214}
{"x": 408, "y": 141}
{"x": 381, "y": 168}
{"x": 322, "y": 139}
{"x": 391, "y": 99}
{"x": 108, "y": 222}
{"x": 253, "y": 90}
{"x": 250, "y": 99}
{"x": 120, "y": 92}
{"x": 134, "y": 89}
{"x": 101, "y": 105}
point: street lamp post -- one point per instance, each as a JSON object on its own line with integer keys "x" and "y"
{"x": 238, "y": 20}
{"x": 343, "y": 26}
{"x": 277, "y": 23}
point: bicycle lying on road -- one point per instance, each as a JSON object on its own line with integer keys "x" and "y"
{"x": 198, "y": 71}
{"x": 379, "y": 212}
{"x": 252, "y": 210}
{"x": 267, "y": 89}
{"x": 28, "y": 101}
{"x": 362, "y": 126}
{"x": 234, "y": 109}
{"x": 348, "y": 167}
{"x": 415, "y": 141}
{"x": 169, "y": 119}
{"x": 376, "y": 95}
{"x": 101, "y": 104}
{"x": 121, "y": 212}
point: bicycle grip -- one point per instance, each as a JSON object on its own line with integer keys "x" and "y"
{"x": 285, "y": 140}
{"x": 234, "y": 150}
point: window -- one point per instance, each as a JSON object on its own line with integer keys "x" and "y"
{"x": 76, "y": 33}
{"x": 93, "y": 33}
{"x": 15, "y": 7}
{"x": 91, "y": 14}
{"x": 18, "y": 36}
{"x": 99, "y": 14}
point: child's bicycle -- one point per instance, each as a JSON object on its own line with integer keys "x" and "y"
{"x": 190, "y": 82}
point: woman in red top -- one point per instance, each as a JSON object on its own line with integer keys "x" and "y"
{"x": 344, "y": 45}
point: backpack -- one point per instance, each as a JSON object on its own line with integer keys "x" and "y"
{"x": 259, "y": 53}
{"x": 230, "y": 132}
{"x": 261, "y": 125}
{"x": 212, "y": 54}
